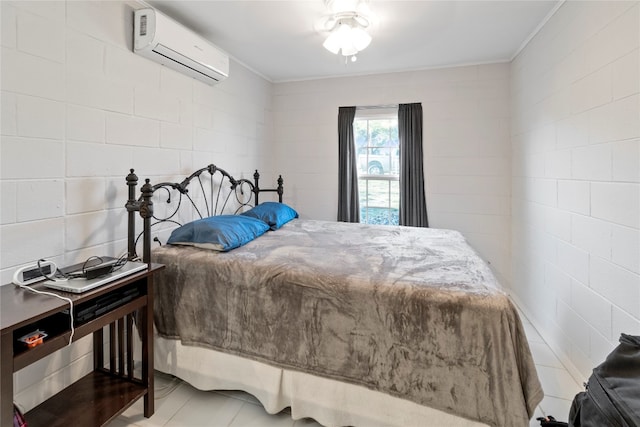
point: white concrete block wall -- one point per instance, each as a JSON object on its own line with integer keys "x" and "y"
{"x": 78, "y": 110}
{"x": 575, "y": 134}
{"x": 536, "y": 162}
{"x": 466, "y": 146}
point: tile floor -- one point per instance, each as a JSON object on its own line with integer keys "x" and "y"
{"x": 180, "y": 405}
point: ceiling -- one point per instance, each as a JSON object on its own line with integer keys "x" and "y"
{"x": 280, "y": 39}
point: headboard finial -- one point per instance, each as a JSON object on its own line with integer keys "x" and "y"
{"x": 280, "y": 189}
{"x": 132, "y": 178}
{"x": 131, "y": 206}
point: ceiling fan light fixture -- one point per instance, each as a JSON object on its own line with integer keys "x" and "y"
{"x": 361, "y": 39}
{"x": 349, "y": 49}
{"x": 361, "y": 20}
{"x": 333, "y": 43}
{"x": 347, "y": 28}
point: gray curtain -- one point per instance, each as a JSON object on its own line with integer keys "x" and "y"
{"x": 348, "y": 204}
{"x": 413, "y": 205}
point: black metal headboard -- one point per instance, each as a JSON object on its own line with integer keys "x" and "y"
{"x": 218, "y": 193}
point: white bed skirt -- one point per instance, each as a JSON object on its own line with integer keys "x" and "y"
{"x": 330, "y": 402}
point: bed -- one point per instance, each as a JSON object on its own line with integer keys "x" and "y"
{"x": 349, "y": 324}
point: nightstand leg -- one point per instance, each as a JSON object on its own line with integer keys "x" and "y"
{"x": 147, "y": 350}
{"x": 6, "y": 380}
{"x": 130, "y": 346}
{"x": 98, "y": 350}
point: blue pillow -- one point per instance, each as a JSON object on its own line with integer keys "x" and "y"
{"x": 220, "y": 233}
{"x": 273, "y": 213}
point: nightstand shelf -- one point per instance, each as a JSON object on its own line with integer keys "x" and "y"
{"x": 103, "y": 394}
{"x": 97, "y": 399}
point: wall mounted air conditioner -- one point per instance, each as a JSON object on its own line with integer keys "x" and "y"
{"x": 163, "y": 40}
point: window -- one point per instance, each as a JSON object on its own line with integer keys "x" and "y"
{"x": 378, "y": 158}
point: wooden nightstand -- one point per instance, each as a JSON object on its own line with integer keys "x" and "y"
{"x": 103, "y": 394}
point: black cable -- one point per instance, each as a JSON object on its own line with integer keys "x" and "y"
{"x": 121, "y": 262}
{"x": 88, "y": 260}
{"x": 83, "y": 273}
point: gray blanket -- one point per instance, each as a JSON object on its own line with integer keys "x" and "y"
{"x": 412, "y": 312}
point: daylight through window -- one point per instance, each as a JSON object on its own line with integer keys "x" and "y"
{"x": 378, "y": 157}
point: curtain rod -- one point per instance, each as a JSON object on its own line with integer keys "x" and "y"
{"x": 377, "y": 107}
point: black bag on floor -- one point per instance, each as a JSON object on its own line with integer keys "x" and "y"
{"x": 612, "y": 397}
{"x": 550, "y": 421}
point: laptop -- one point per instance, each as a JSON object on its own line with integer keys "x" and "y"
{"x": 77, "y": 286}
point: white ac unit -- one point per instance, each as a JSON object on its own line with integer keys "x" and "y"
{"x": 163, "y": 40}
